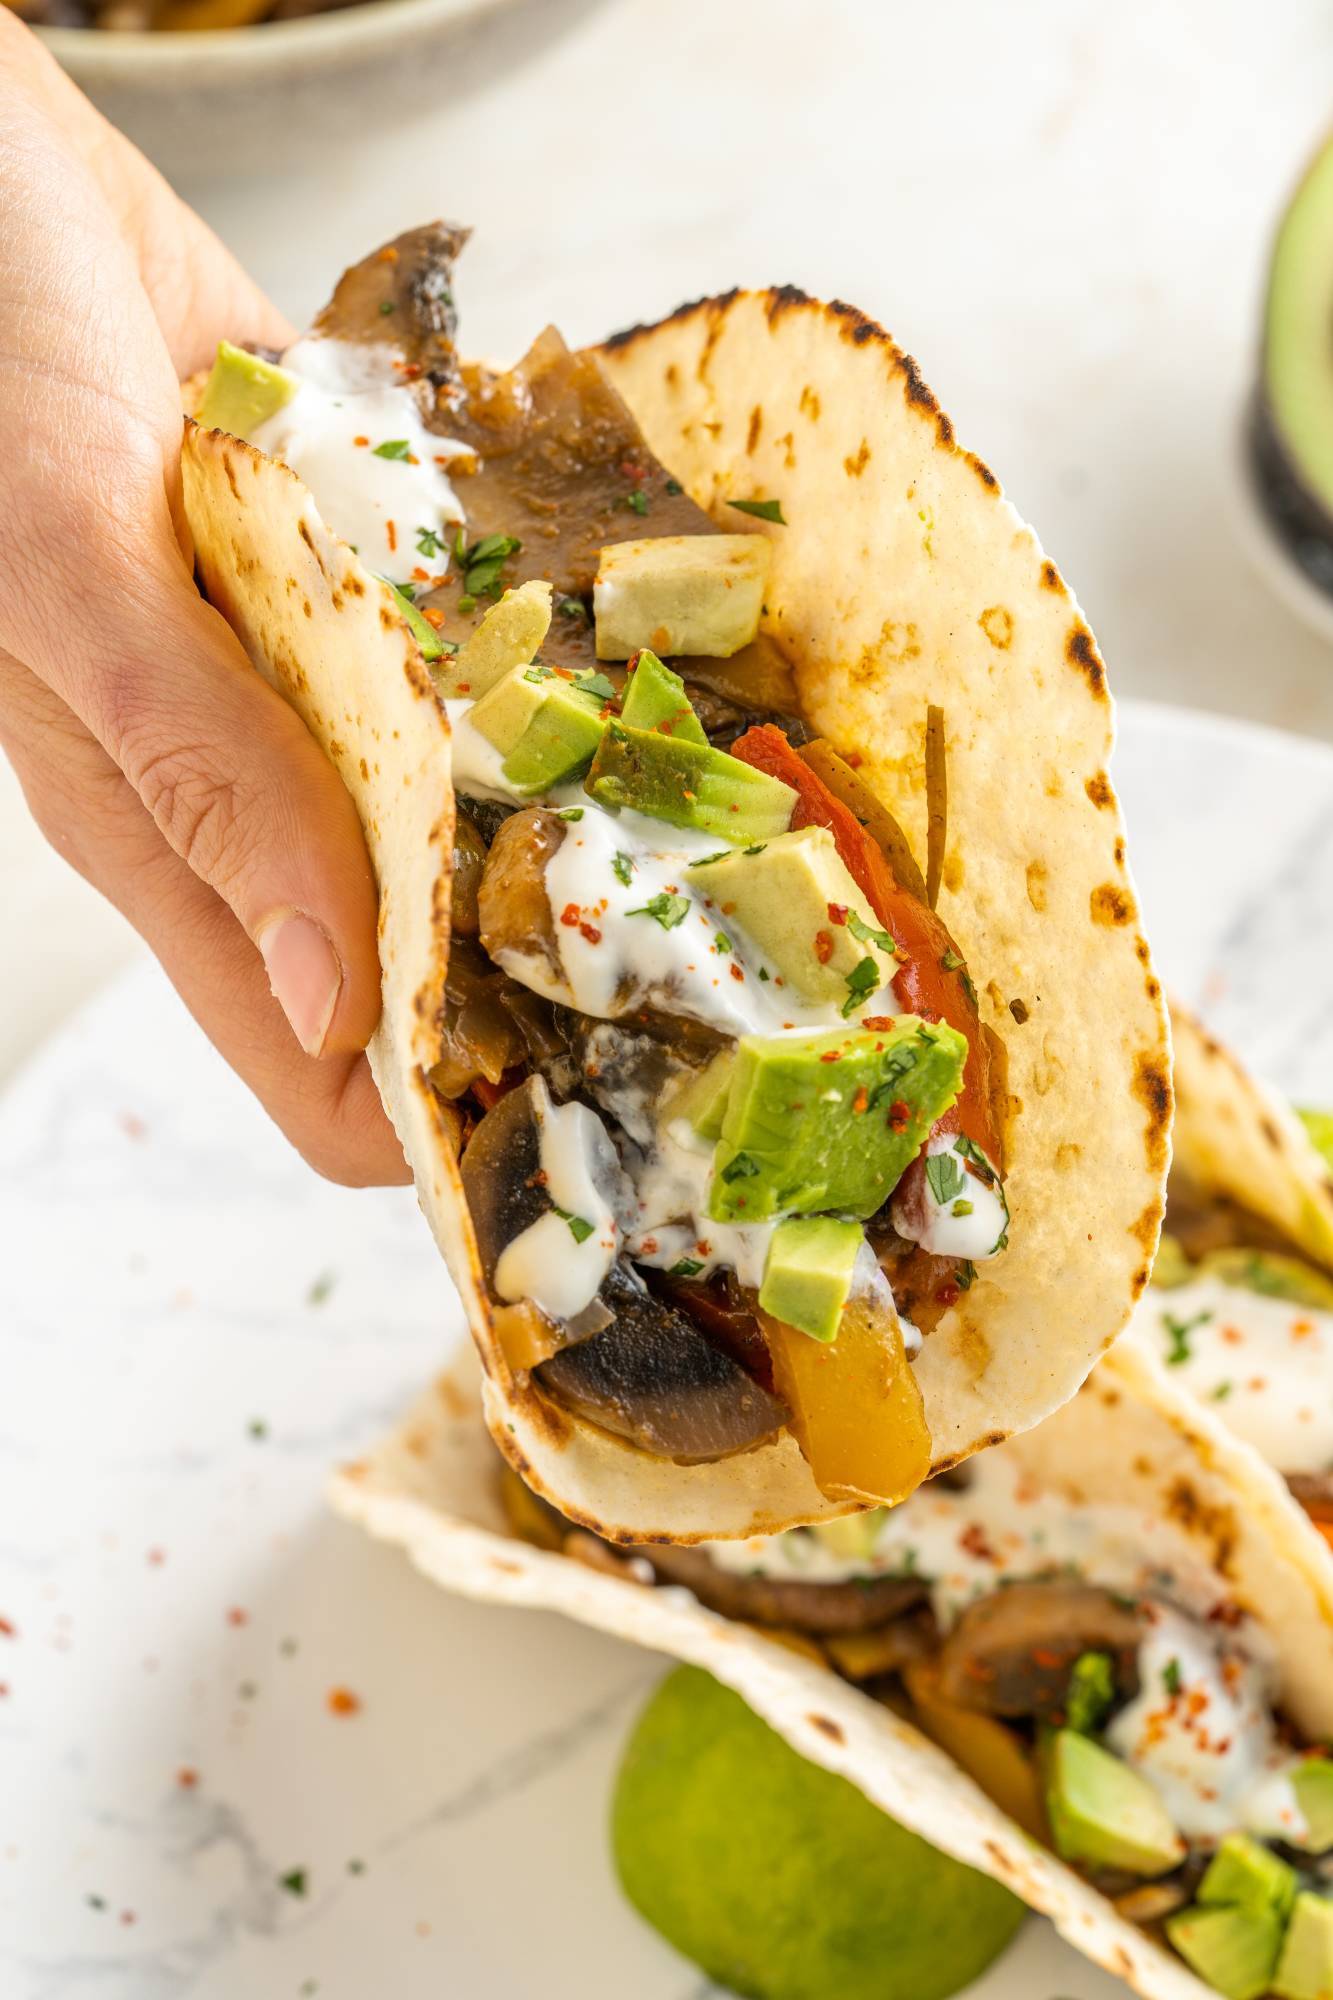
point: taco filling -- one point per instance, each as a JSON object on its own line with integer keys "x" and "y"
{"x": 1086, "y": 1667}
{"x": 726, "y": 1109}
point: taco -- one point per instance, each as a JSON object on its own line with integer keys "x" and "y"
{"x": 766, "y": 1020}
{"x": 1095, "y": 1662}
{"x": 1240, "y": 1308}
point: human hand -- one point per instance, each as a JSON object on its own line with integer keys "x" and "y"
{"x": 153, "y": 757}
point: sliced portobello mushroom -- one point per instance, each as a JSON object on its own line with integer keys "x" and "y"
{"x": 1012, "y": 1651}
{"x": 654, "y": 1378}
{"x": 820, "y": 1608}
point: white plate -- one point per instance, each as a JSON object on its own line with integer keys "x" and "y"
{"x": 172, "y": 1280}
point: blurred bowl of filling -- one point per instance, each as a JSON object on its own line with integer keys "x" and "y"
{"x": 210, "y": 88}
{"x": 1286, "y": 440}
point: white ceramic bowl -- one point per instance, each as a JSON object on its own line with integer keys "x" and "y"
{"x": 261, "y": 99}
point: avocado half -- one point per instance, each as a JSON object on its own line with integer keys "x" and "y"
{"x": 1292, "y": 425}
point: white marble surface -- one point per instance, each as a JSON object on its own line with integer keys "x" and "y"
{"x": 192, "y": 1327}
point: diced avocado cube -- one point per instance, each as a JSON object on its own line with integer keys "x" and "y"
{"x": 1103, "y": 1813}
{"x": 1233, "y": 1951}
{"x": 242, "y": 392}
{"x": 688, "y": 784}
{"x": 544, "y": 727}
{"x": 1312, "y": 1782}
{"x": 852, "y": 1536}
{"x": 1272, "y": 1274}
{"x": 808, "y": 1273}
{"x": 1248, "y": 1875}
{"x": 831, "y": 1121}
{"x": 655, "y": 698}
{"x": 427, "y": 638}
{"x": 1305, "y": 1966}
{"x": 680, "y": 594}
{"x": 510, "y": 635}
{"x": 797, "y": 903}
{"x": 703, "y": 1100}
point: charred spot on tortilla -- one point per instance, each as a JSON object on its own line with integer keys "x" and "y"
{"x": 603, "y": 1038}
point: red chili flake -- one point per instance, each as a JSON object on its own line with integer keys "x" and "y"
{"x": 629, "y": 470}
{"x": 571, "y": 916}
{"x": 391, "y": 531}
{"x": 236, "y": 1616}
{"x": 342, "y": 1701}
{"x": 735, "y": 970}
{"x": 411, "y": 370}
{"x": 388, "y": 255}
{"x": 128, "y": 1917}
{"x": 854, "y": 758}
{"x": 1256, "y": 1383}
{"x": 1232, "y": 1336}
{"x": 948, "y": 1293}
{"x": 436, "y": 618}
{"x": 973, "y": 1540}
{"x": 878, "y": 1024}
{"x": 591, "y": 932}
{"x": 831, "y": 1055}
{"x": 861, "y": 1100}
{"x": 899, "y": 1115}
{"x": 731, "y": 808}
{"x": 837, "y": 913}
{"x": 979, "y": 1670}
{"x": 705, "y": 1249}
{"x": 8, "y": 1630}
{"x": 1047, "y": 1657}
{"x": 412, "y": 458}
{"x": 421, "y": 575}
{"x": 361, "y": 441}
{"x": 823, "y": 947}
{"x": 648, "y": 1247}
{"x": 187, "y": 1778}
{"x": 4, "y": 1690}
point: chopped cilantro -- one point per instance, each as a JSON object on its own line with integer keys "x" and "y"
{"x": 467, "y": 603}
{"x": 706, "y": 860}
{"x": 596, "y": 684}
{"x": 742, "y": 1168}
{"x": 722, "y": 942}
{"x": 865, "y": 933}
{"x": 622, "y": 867}
{"x": 763, "y": 510}
{"x": 861, "y": 983}
{"x": 961, "y": 1208}
{"x": 295, "y": 1882}
{"x": 407, "y": 590}
{"x": 637, "y": 501}
{"x": 570, "y": 607}
{"x": 257, "y": 1428}
{"x": 952, "y": 962}
{"x": 537, "y": 673}
{"x": 758, "y": 848}
{"x": 393, "y": 448}
{"x": 320, "y": 1289}
{"x": 966, "y": 1274}
{"x": 1091, "y": 1692}
{"x": 673, "y": 487}
{"x": 1222, "y": 1391}
{"x": 429, "y": 543}
{"x": 763, "y": 972}
{"x": 386, "y": 307}
{"x": 945, "y": 1177}
{"x": 579, "y": 1226}
{"x": 970, "y": 1150}
{"x": 572, "y": 812}
{"x": 687, "y": 1267}
{"x": 665, "y": 909}
{"x": 1179, "y": 1331}
{"x": 482, "y": 562}
{"x": 1171, "y": 1677}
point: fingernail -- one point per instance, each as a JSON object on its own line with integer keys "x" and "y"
{"x": 304, "y": 973}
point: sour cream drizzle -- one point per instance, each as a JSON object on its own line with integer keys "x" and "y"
{"x": 1265, "y": 1364}
{"x": 561, "y": 1260}
{"x": 351, "y": 400}
{"x": 969, "y": 1222}
{"x": 1201, "y": 1728}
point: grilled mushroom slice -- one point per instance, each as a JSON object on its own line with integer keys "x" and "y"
{"x": 1012, "y": 1651}
{"x": 824, "y": 1608}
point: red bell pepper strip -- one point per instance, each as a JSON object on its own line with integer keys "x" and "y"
{"x": 932, "y": 982}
